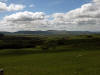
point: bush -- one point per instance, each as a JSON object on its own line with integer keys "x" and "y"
{"x": 16, "y": 42}
{"x": 62, "y": 41}
{"x": 89, "y": 36}
{"x": 1, "y": 35}
{"x": 50, "y": 44}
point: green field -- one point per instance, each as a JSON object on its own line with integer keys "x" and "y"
{"x": 77, "y": 55}
{"x": 30, "y": 62}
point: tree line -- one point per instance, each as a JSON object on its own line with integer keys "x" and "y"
{"x": 17, "y": 42}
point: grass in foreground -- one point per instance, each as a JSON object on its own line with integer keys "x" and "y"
{"x": 30, "y": 62}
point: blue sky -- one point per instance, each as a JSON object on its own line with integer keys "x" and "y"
{"x": 47, "y": 6}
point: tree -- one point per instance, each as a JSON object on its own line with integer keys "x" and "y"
{"x": 62, "y": 41}
{"x": 51, "y": 44}
{"x": 1, "y": 35}
{"x": 89, "y": 36}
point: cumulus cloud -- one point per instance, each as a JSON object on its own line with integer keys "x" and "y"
{"x": 85, "y": 18}
{"x": 96, "y": 0}
{"x": 24, "y": 21}
{"x": 87, "y": 15}
{"x": 25, "y": 16}
{"x": 11, "y": 7}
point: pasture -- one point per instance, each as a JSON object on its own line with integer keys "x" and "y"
{"x": 80, "y": 58}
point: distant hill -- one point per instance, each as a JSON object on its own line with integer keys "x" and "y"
{"x": 52, "y": 32}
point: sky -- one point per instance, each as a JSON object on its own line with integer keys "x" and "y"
{"x": 32, "y": 15}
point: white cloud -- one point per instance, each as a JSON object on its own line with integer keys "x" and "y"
{"x": 88, "y": 14}
{"x": 85, "y": 18}
{"x": 31, "y": 6}
{"x": 25, "y": 16}
{"x": 96, "y": 0}
{"x": 24, "y": 21}
{"x": 15, "y": 7}
{"x": 11, "y": 7}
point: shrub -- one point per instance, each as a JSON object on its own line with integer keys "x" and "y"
{"x": 1, "y": 35}
{"x": 50, "y": 44}
{"x": 89, "y": 36}
{"x": 62, "y": 41}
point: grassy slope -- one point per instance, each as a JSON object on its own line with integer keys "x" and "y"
{"x": 26, "y": 62}
{"x": 81, "y": 59}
